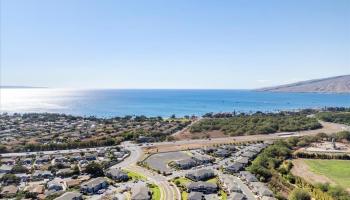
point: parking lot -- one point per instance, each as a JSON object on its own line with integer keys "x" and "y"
{"x": 160, "y": 161}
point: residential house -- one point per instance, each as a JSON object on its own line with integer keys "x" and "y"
{"x": 94, "y": 185}
{"x": 268, "y": 198}
{"x": 145, "y": 139}
{"x": 72, "y": 182}
{"x": 208, "y": 150}
{"x": 58, "y": 159}
{"x": 261, "y": 189}
{"x": 118, "y": 154}
{"x": 237, "y": 196}
{"x": 90, "y": 156}
{"x": 40, "y": 175}
{"x": 117, "y": 175}
{"x": 75, "y": 157}
{"x": 27, "y": 161}
{"x": 54, "y": 185}
{"x": 249, "y": 177}
{"x": 231, "y": 147}
{"x": 185, "y": 163}
{"x": 234, "y": 188}
{"x": 203, "y": 159}
{"x": 195, "y": 196}
{"x": 140, "y": 192}
{"x": 234, "y": 168}
{"x": 70, "y": 196}
{"x": 243, "y": 160}
{"x": 249, "y": 154}
{"x": 5, "y": 169}
{"x": 42, "y": 160}
{"x": 204, "y": 187}
{"x": 101, "y": 153}
{"x": 223, "y": 153}
{"x": 8, "y": 161}
{"x": 24, "y": 177}
{"x": 66, "y": 172}
{"x": 201, "y": 175}
{"x": 35, "y": 189}
{"x": 9, "y": 191}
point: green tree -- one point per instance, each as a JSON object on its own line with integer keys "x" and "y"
{"x": 8, "y": 179}
{"x": 19, "y": 169}
{"x": 76, "y": 170}
{"x": 94, "y": 169}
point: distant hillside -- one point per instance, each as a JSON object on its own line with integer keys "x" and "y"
{"x": 338, "y": 84}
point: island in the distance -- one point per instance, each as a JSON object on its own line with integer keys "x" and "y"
{"x": 337, "y": 84}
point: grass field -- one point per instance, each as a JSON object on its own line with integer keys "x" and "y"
{"x": 336, "y": 170}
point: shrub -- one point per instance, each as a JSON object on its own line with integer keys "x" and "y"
{"x": 299, "y": 194}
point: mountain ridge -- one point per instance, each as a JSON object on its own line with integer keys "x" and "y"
{"x": 335, "y": 84}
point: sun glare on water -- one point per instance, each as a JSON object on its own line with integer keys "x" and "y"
{"x": 33, "y": 100}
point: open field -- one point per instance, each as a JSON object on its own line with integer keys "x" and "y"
{"x": 323, "y": 171}
{"x": 336, "y": 170}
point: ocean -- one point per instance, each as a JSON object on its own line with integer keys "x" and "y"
{"x": 116, "y": 102}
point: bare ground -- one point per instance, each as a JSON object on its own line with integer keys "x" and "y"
{"x": 301, "y": 169}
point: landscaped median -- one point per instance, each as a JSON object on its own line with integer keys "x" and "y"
{"x": 155, "y": 190}
{"x": 135, "y": 176}
{"x": 181, "y": 183}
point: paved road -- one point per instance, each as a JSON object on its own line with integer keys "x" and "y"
{"x": 168, "y": 190}
{"x": 244, "y": 188}
{"x": 135, "y": 155}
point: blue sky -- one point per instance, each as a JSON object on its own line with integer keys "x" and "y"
{"x": 172, "y": 44}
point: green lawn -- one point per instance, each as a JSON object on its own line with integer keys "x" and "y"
{"x": 155, "y": 192}
{"x": 213, "y": 180}
{"x": 336, "y": 170}
{"x": 184, "y": 195}
{"x": 182, "y": 180}
{"x": 135, "y": 176}
{"x": 223, "y": 195}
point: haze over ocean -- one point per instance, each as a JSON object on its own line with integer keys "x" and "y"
{"x": 116, "y": 102}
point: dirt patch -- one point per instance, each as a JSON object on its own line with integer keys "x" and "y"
{"x": 301, "y": 169}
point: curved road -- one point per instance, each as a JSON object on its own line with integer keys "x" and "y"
{"x": 168, "y": 191}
